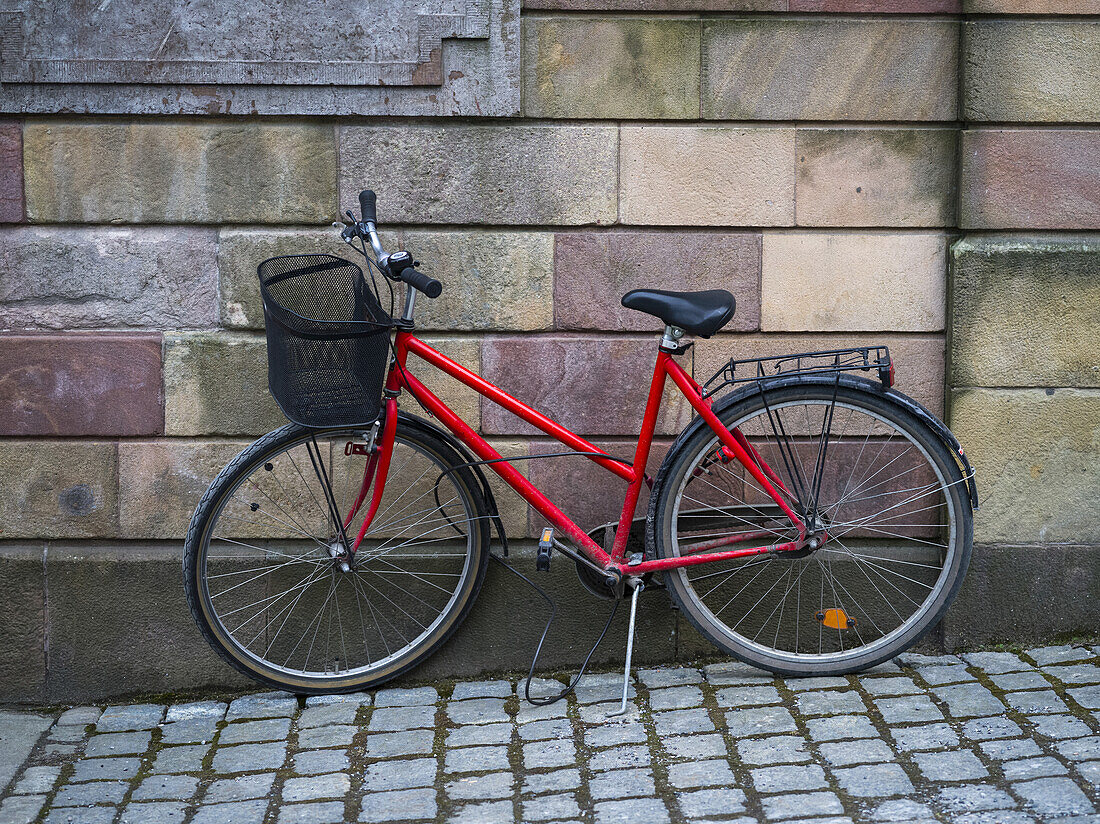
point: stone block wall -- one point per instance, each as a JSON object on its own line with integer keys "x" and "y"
{"x": 921, "y": 173}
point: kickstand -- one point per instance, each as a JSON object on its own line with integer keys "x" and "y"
{"x": 638, "y": 587}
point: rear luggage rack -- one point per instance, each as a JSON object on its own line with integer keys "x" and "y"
{"x": 829, "y": 362}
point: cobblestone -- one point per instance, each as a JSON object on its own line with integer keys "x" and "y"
{"x": 988, "y": 738}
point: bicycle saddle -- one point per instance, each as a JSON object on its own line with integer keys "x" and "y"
{"x": 697, "y": 313}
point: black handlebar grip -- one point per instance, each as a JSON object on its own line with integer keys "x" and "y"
{"x": 367, "y": 206}
{"x": 417, "y": 280}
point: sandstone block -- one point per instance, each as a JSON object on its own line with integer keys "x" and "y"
{"x": 81, "y": 278}
{"x": 491, "y": 280}
{"x": 658, "y": 5}
{"x": 594, "y": 386}
{"x": 1034, "y": 70}
{"x": 179, "y": 172}
{"x": 1024, "y": 311}
{"x": 707, "y": 176}
{"x": 23, "y": 611}
{"x": 1037, "y": 457}
{"x": 11, "y": 171}
{"x": 483, "y": 174}
{"x": 216, "y": 384}
{"x": 1031, "y": 6}
{"x": 610, "y": 67}
{"x": 58, "y": 489}
{"x": 593, "y": 270}
{"x": 81, "y": 385}
{"x": 240, "y": 251}
{"x": 918, "y": 359}
{"x": 585, "y": 491}
{"x": 465, "y": 402}
{"x": 873, "y": 177}
{"x": 164, "y": 481}
{"x": 829, "y": 69}
{"x": 513, "y": 509}
{"x": 878, "y": 6}
{"x": 817, "y": 281}
{"x": 1039, "y": 179}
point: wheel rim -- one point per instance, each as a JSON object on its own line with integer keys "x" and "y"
{"x": 892, "y": 535}
{"x": 272, "y": 591}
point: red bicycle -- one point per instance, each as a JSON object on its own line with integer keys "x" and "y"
{"x": 809, "y": 520}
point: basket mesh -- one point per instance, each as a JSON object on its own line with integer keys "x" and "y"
{"x": 327, "y": 340}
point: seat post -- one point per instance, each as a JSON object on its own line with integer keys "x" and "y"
{"x": 670, "y": 341}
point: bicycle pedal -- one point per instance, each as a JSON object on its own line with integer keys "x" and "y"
{"x": 546, "y": 544}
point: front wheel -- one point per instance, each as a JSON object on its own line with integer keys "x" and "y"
{"x": 262, "y": 560}
{"x": 881, "y": 488}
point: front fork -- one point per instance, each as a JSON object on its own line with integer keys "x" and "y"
{"x": 377, "y": 468}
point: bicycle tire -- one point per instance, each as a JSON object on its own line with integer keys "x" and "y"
{"x": 952, "y": 519}
{"x": 263, "y": 456}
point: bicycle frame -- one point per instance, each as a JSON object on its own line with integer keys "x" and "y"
{"x": 735, "y": 446}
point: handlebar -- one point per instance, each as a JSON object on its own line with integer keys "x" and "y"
{"x": 367, "y": 229}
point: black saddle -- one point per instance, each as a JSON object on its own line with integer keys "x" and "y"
{"x": 697, "y": 313}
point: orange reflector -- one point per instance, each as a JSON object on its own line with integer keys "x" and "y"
{"x": 835, "y": 619}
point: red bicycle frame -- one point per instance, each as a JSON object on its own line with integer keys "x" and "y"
{"x": 735, "y": 446}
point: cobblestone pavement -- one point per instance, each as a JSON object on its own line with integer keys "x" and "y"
{"x": 985, "y": 738}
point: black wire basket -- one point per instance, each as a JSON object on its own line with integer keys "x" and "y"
{"x": 327, "y": 340}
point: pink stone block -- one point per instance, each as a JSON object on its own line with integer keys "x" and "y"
{"x": 84, "y": 384}
{"x": 593, "y": 270}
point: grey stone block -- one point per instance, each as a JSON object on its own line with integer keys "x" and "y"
{"x": 315, "y": 762}
{"x": 845, "y": 753}
{"x": 689, "y": 774}
{"x": 131, "y": 717}
{"x": 270, "y": 729}
{"x": 1036, "y": 702}
{"x": 802, "y": 805}
{"x": 81, "y": 716}
{"x": 747, "y": 696}
{"x": 669, "y": 677}
{"x": 400, "y": 775}
{"x": 952, "y": 765}
{"x": 357, "y": 699}
{"x": 156, "y": 812}
{"x": 399, "y": 805}
{"x": 96, "y": 792}
{"x": 695, "y": 746}
{"x": 481, "y": 689}
{"x": 968, "y": 700}
{"x": 1087, "y": 697}
{"x": 983, "y": 729}
{"x": 249, "y": 757}
{"x": 481, "y": 787}
{"x": 650, "y": 810}
{"x": 788, "y": 778}
{"x": 1065, "y": 653}
{"x": 166, "y": 788}
{"x": 620, "y": 758}
{"x": 537, "y": 783}
{"x": 675, "y": 698}
{"x": 679, "y": 722}
{"x": 491, "y": 174}
{"x": 1032, "y": 768}
{"x": 908, "y": 709}
{"x": 901, "y": 810}
{"x": 889, "y": 686}
{"x": 551, "y": 807}
{"x": 205, "y": 710}
{"x": 974, "y": 797}
{"x": 240, "y": 788}
{"x": 1060, "y": 726}
{"x": 759, "y": 721}
{"x": 477, "y": 711}
{"x": 539, "y": 754}
{"x": 474, "y": 735}
{"x": 551, "y": 728}
{"x": 735, "y": 672}
{"x": 395, "y": 719}
{"x": 390, "y": 744}
{"x": 405, "y": 697}
{"x": 239, "y": 812}
{"x": 953, "y": 674}
{"x": 21, "y": 809}
{"x": 1080, "y": 749}
{"x": 316, "y": 787}
{"x": 926, "y": 737}
{"x": 119, "y": 743}
{"x": 874, "y": 781}
{"x": 263, "y": 705}
{"x": 193, "y": 731}
{"x": 1002, "y": 750}
{"x": 86, "y": 815}
{"x": 819, "y": 682}
{"x": 631, "y": 783}
{"x": 483, "y": 759}
{"x": 786, "y": 749}
{"x": 831, "y": 702}
{"x": 701, "y": 803}
{"x": 37, "y": 780}
{"x": 1030, "y": 680}
{"x": 105, "y": 769}
{"x": 1075, "y": 673}
{"x": 339, "y": 735}
{"x": 838, "y": 727}
{"x": 489, "y": 812}
{"x": 1054, "y": 796}
{"x": 183, "y": 759}
{"x": 997, "y": 662}
{"x": 317, "y": 812}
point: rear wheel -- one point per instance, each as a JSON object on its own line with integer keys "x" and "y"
{"x": 882, "y": 488}
{"x": 265, "y": 588}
